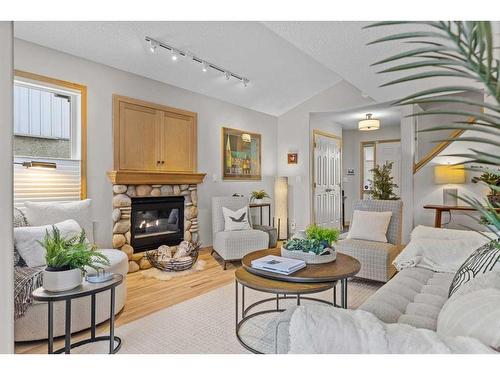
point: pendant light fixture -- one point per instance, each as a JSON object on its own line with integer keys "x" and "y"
{"x": 369, "y": 123}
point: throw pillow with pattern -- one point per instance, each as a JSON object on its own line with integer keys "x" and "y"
{"x": 481, "y": 261}
{"x": 236, "y": 220}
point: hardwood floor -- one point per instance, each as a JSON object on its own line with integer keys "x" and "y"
{"x": 147, "y": 295}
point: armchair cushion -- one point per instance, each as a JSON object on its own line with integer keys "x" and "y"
{"x": 236, "y": 244}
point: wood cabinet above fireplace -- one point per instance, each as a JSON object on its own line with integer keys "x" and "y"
{"x": 153, "y": 139}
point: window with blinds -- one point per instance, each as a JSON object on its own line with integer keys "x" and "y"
{"x": 46, "y": 129}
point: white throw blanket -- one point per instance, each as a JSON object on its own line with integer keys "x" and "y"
{"x": 319, "y": 330}
{"x": 440, "y": 250}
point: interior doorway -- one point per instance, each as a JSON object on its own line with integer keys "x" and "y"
{"x": 327, "y": 180}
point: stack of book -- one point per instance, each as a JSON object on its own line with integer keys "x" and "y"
{"x": 283, "y": 266}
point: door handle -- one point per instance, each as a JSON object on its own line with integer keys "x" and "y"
{"x": 328, "y": 190}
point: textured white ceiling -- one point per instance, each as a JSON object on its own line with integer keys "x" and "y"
{"x": 388, "y": 116}
{"x": 342, "y": 47}
{"x": 281, "y": 75}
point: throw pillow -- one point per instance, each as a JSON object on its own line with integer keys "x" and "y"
{"x": 26, "y": 240}
{"x": 481, "y": 261}
{"x": 236, "y": 220}
{"x": 48, "y": 213}
{"x": 474, "y": 314}
{"x": 369, "y": 225}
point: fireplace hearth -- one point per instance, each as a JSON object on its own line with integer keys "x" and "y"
{"x": 156, "y": 221}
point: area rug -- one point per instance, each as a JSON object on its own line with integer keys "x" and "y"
{"x": 165, "y": 276}
{"x": 206, "y": 325}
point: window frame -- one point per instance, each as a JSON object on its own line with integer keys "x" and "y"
{"x": 82, "y": 91}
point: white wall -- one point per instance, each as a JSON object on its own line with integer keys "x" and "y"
{"x": 6, "y": 269}
{"x": 294, "y": 134}
{"x": 351, "y": 142}
{"x": 103, "y": 81}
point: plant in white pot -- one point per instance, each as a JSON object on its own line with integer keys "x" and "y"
{"x": 317, "y": 246}
{"x": 258, "y": 196}
{"x": 66, "y": 260}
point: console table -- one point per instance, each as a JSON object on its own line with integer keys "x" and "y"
{"x": 261, "y": 206}
{"x": 439, "y": 208}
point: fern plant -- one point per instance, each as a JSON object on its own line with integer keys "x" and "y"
{"x": 458, "y": 49}
{"x": 383, "y": 183}
{"x": 328, "y": 235}
{"x": 259, "y": 194}
{"x": 69, "y": 253}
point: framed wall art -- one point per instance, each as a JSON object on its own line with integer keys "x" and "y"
{"x": 293, "y": 158}
{"x": 241, "y": 155}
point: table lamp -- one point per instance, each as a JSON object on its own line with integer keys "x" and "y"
{"x": 449, "y": 174}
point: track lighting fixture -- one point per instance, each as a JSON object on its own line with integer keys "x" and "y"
{"x": 176, "y": 53}
{"x": 152, "y": 46}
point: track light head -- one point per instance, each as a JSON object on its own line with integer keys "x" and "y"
{"x": 245, "y": 82}
{"x": 204, "y": 66}
{"x": 175, "y": 55}
{"x": 227, "y": 75}
{"x": 152, "y": 46}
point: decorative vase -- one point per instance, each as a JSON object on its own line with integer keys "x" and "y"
{"x": 258, "y": 201}
{"x": 309, "y": 258}
{"x": 60, "y": 281}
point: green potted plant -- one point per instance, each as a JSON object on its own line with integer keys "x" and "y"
{"x": 315, "y": 245}
{"x": 491, "y": 180}
{"x": 382, "y": 183}
{"x": 258, "y": 196}
{"x": 66, "y": 260}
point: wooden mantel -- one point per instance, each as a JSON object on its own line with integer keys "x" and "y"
{"x": 153, "y": 178}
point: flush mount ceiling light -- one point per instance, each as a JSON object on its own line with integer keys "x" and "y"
{"x": 369, "y": 123}
{"x": 205, "y": 65}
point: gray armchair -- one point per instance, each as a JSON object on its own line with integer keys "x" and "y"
{"x": 234, "y": 245}
{"x": 376, "y": 257}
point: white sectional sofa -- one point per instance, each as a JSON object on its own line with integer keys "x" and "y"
{"x": 410, "y": 313}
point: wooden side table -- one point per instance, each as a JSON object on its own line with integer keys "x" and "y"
{"x": 86, "y": 289}
{"x": 439, "y": 208}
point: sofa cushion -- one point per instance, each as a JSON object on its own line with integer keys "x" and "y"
{"x": 414, "y": 296}
{"x": 27, "y": 240}
{"x": 375, "y": 257}
{"x": 474, "y": 314}
{"x": 236, "y": 220}
{"x": 48, "y": 213}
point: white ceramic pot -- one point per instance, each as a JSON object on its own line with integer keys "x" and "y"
{"x": 309, "y": 258}
{"x": 60, "y": 281}
{"x": 258, "y": 201}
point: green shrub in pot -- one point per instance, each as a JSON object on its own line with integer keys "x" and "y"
{"x": 67, "y": 259}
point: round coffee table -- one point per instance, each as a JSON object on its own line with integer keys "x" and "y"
{"x": 314, "y": 278}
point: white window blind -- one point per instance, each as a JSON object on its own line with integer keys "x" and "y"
{"x": 45, "y": 184}
{"x": 41, "y": 113}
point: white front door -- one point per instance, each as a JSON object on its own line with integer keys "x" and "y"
{"x": 390, "y": 151}
{"x": 327, "y": 181}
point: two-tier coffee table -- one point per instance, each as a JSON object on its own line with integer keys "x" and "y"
{"x": 314, "y": 278}
{"x": 84, "y": 290}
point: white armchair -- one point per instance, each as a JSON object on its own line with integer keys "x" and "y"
{"x": 234, "y": 245}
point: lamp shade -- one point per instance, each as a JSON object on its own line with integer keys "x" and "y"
{"x": 449, "y": 174}
{"x": 369, "y": 123}
{"x": 281, "y": 206}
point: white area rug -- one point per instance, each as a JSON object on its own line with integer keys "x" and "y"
{"x": 206, "y": 324}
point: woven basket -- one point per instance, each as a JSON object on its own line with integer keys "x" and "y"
{"x": 308, "y": 257}
{"x": 173, "y": 265}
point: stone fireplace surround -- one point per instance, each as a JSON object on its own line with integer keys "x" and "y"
{"x": 121, "y": 215}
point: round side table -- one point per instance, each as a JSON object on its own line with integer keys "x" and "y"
{"x": 84, "y": 290}
{"x": 314, "y": 278}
